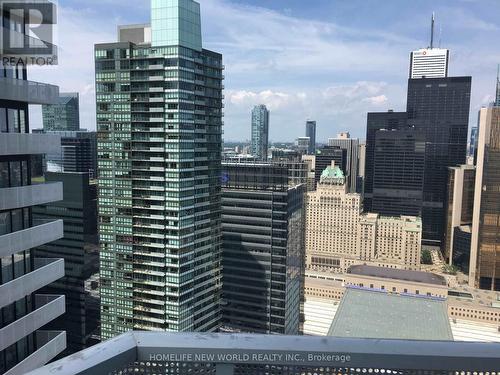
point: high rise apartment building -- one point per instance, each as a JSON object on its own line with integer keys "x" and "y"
{"x": 159, "y": 121}
{"x": 351, "y": 145}
{"x": 64, "y": 115}
{"x": 311, "y": 133}
{"x": 339, "y": 235}
{"x": 263, "y": 249}
{"x": 24, "y": 311}
{"x": 260, "y": 132}
{"x": 439, "y": 108}
{"x": 485, "y": 248}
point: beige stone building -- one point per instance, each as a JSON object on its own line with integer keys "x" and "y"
{"x": 339, "y": 235}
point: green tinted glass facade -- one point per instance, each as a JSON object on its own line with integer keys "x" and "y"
{"x": 159, "y": 119}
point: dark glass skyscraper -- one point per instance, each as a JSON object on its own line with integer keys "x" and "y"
{"x": 398, "y": 172}
{"x": 439, "y": 107}
{"x": 159, "y": 121}
{"x": 263, "y": 248}
{"x": 311, "y": 133}
{"x": 260, "y": 132}
{"x": 389, "y": 120}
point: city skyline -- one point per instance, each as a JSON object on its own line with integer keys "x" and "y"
{"x": 288, "y": 73}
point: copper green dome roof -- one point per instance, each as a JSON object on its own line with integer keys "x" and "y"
{"x": 332, "y": 172}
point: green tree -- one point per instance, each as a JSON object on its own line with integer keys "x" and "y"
{"x": 426, "y": 257}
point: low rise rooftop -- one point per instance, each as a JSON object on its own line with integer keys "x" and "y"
{"x": 397, "y": 274}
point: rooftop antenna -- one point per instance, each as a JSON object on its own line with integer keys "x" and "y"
{"x": 440, "y": 34}
{"x": 432, "y": 31}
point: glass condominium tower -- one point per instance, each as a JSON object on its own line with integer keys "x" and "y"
{"x": 260, "y": 131}
{"x": 159, "y": 120}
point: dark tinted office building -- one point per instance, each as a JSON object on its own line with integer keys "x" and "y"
{"x": 324, "y": 158}
{"x": 398, "y": 172}
{"x": 439, "y": 107}
{"x": 389, "y": 120}
{"x": 311, "y": 133}
{"x": 263, "y": 249}
{"x": 78, "y": 248}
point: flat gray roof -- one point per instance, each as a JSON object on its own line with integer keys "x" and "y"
{"x": 397, "y": 274}
{"x": 380, "y": 315}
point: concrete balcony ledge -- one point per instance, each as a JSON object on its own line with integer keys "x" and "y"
{"x": 49, "y": 343}
{"x": 28, "y": 91}
{"x": 32, "y": 237}
{"x": 30, "y": 195}
{"x": 143, "y": 352}
{"x": 46, "y": 271}
{"x": 29, "y": 144}
{"x": 48, "y": 308}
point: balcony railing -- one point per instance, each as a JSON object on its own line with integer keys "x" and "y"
{"x": 230, "y": 354}
{"x": 28, "y": 91}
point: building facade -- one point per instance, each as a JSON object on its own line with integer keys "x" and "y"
{"x": 339, "y": 235}
{"x": 78, "y": 248}
{"x": 263, "y": 249}
{"x": 63, "y": 115}
{"x": 311, "y": 134}
{"x": 260, "y": 132}
{"x": 351, "y": 145}
{"x": 24, "y": 344}
{"x": 485, "y": 248}
{"x": 439, "y": 107}
{"x": 398, "y": 172}
{"x": 376, "y": 121}
{"x": 459, "y": 205}
{"x": 324, "y": 158}
{"x": 159, "y": 121}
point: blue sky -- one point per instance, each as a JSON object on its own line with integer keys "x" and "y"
{"x": 327, "y": 60}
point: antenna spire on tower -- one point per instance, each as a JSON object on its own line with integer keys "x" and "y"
{"x": 432, "y": 31}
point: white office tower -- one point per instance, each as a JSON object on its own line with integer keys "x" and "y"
{"x": 429, "y": 62}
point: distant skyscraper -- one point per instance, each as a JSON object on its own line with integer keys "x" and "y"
{"x": 78, "y": 248}
{"x": 64, "y": 115}
{"x": 24, "y": 345}
{"x": 303, "y": 144}
{"x": 311, "y": 133}
{"x": 263, "y": 249}
{"x": 497, "y": 97}
{"x": 159, "y": 126}
{"x": 473, "y": 141}
{"x": 439, "y": 107}
{"x": 324, "y": 157}
{"x": 389, "y": 120}
{"x": 260, "y": 131}
{"x": 485, "y": 248}
{"x": 338, "y": 235}
{"x": 429, "y": 62}
{"x": 351, "y": 145}
{"x": 398, "y": 172}
{"x": 360, "y": 185}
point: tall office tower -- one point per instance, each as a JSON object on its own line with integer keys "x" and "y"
{"x": 78, "y": 152}
{"x": 78, "y": 248}
{"x": 360, "y": 185}
{"x": 324, "y": 157}
{"x": 429, "y": 62}
{"x": 23, "y": 310}
{"x": 338, "y": 235}
{"x": 63, "y": 115}
{"x": 260, "y": 131}
{"x": 311, "y": 133}
{"x": 263, "y": 249}
{"x": 351, "y": 145}
{"x": 485, "y": 248}
{"x": 159, "y": 121}
{"x": 303, "y": 145}
{"x": 398, "y": 172}
{"x": 389, "y": 120}
{"x": 292, "y": 160}
{"x": 459, "y": 208}
{"x": 439, "y": 107}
